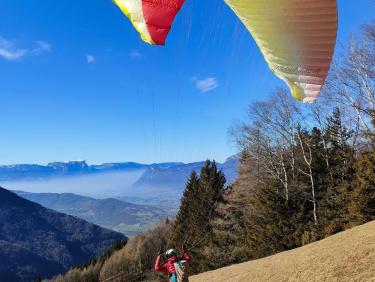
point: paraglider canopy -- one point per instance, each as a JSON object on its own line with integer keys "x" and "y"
{"x": 296, "y": 37}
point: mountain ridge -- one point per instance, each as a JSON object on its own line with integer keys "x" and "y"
{"x": 33, "y": 237}
{"x": 30, "y": 171}
{"x": 127, "y": 218}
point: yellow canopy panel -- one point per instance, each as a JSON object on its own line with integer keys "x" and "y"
{"x": 296, "y": 37}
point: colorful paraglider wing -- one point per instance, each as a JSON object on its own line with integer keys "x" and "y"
{"x": 296, "y": 37}
{"x": 152, "y": 18}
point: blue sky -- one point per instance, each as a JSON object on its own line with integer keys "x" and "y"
{"x": 76, "y": 82}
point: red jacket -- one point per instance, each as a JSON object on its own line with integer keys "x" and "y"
{"x": 169, "y": 265}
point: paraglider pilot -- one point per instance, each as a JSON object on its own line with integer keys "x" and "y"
{"x": 175, "y": 267}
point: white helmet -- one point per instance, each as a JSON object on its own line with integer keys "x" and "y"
{"x": 170, "y": 253}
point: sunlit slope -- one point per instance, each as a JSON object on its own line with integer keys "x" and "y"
{"x": 347, "y": 256}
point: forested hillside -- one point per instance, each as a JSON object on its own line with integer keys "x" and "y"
{"x": 35, "y": 241}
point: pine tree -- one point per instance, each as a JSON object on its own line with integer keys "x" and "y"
{"x": 193, "y": 225}
{"x": 341, "y": 155}
{"x": 184, "y": 226}
{"x": 341, "y": 168}
{"x": 321, "y": 170}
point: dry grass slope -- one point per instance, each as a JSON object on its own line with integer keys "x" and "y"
{"x": 347, "y": 256}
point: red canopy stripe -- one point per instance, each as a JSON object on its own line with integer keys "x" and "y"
{"x": 159, "y": 16}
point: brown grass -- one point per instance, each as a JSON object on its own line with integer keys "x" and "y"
{"x": 347, "y": 256}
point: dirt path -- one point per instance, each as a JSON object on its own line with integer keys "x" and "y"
{"x": 347, "y": 256}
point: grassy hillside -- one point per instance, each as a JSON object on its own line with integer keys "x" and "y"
{"x": 347, "y": 256}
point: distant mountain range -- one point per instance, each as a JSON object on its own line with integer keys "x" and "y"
{"x": 38, "y": 241}
{"x": 69, "y": 168}
{"x": 114, "y": 214}
{"x": 32, "y": 171}
{"x": 158, "y": 185}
